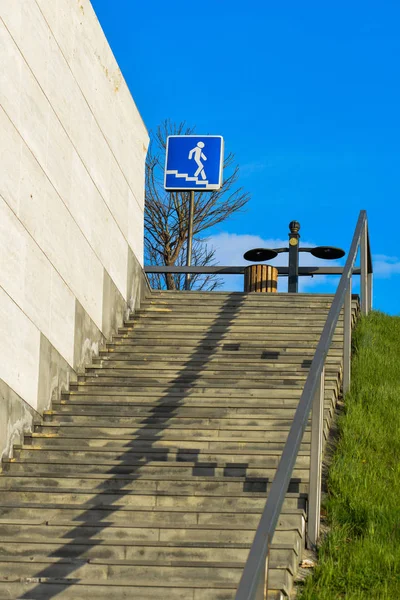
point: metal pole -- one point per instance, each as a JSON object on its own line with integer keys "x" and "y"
{"x": 294, "y": 237}
{"x": 370, "y": 291}
{"x": 190, "y": 239}
{"x": 262, "y": 588}
{"x": 314, "y": 494}
{"x": 347, "y": 323}
{"x": 364, "y": 271}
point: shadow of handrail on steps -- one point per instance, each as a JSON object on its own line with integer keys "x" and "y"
{"x": 197, "y": 361}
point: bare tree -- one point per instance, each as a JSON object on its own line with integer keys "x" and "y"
{"x": 202, "y": 255}
{"x": 167, "y": 214}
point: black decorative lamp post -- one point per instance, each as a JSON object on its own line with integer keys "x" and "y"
{"x": 294, "y": 237}
{"x": 323, "y": 252}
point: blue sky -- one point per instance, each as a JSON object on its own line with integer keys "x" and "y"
{"x": 307, "y": 96}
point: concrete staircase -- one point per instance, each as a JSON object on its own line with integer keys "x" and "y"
{"x": 147, "y": 480}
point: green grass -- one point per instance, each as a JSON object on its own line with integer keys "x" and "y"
{"x": 360, "y": 557}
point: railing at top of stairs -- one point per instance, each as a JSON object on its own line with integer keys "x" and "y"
{"x": 253, "y": 584}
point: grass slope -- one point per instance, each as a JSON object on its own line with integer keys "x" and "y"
{"x": 360, "y": 558}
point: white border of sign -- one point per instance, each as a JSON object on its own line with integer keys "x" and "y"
{"x": 210, "y": 187}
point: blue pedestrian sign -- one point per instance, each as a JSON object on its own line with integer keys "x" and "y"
{"x": 194, "y": 162}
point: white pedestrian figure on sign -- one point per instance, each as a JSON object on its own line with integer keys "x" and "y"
{"x": 198, "y": 154}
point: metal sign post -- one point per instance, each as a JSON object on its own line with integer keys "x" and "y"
{"x": 193, "y": 163}
{"x": 190, "y": 239}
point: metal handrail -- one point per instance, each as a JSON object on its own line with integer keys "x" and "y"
{"x": 253, "y": 584}
{"x": 239, "y": 270}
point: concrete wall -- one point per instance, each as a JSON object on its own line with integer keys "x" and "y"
{"x": 73, "y": 147}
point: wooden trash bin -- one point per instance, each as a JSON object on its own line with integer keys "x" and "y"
{"x": 260, "y": 278}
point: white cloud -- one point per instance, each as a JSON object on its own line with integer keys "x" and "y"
{"x": 385, "y": 266}
{"x": 249, "y": 169}
{"x": 230, "y": 248}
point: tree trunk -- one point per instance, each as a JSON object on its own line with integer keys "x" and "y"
{"x": 170, "y": 281}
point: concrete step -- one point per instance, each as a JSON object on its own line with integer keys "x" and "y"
{"x": 171, "y": 384}
{"x": 237, "y": 299}
{"x": 126, "y": 377}
{"x": 177, "y": 423}
{"x": 141, "y": 573}
{"x": 154, "y": 469}
{"x": 273, "y": 430}
{"x": 182, "y": 396}
{"x": 209, "y": 313}
{"x": 88, "y": 580}
{"x": 199, "y": 347}
{"x": 249, "y": 349}
{"x": 280, "y": 555}
{"x": 76, "y": 590}
{"x": 290, "y": 518}
{"x": 207, "y": 486}
{"x": 171, "y": 435}
{"x": 157, "y": 295}
{"x": 259, "y": 456}
{"x": 208, "y": 364}
{"x": 123, "y": 425}
{"x": 49, "y": 588}
{"x": 267, "y": 327}
{"x": 221, "y": 296}
{"x": 228, "y": 312}
{"x": 280, "y": 299}
{"x": 220, "y": 333}
{"x": 217, "y": 361}
{"x": 277, "y": 310}
{"x": 193, "y": 409}
{"x": 173, "y": 410}
{"x": 176, "y": 389}
{"x": 161, "y": 379}
{"x": 129, "y": 457}
{"x": 273, "y": 387}
{"x": 236, "y": 305}
{"x": 275, "y": 434}
{"x": 242, "y": 321}
{"x": 43, "y": 441}
{"x": 231, "y": 327}
{"x": 187, "y": 406}
{"x": 127, "y": 500}
{"x": 42, "y": 532}
{"x": 281, "y": 419}
{"x": 189, "y": 396}
{"x": 171, "y": 414}
{"x": 309, "y": 335}
{"x": 160, "y": 296}
{"x": 225, "y": 485}
{"x": 249, "y": 371}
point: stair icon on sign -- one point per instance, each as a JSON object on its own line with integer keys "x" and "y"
{"x": 186, "y": 177}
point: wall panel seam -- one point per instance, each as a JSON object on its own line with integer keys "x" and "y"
{"x": 73, "y": 146}
{"x": 90, "y": 108}
{"x": 56, "y": 191}
{"x": 24, "y": 226}
{"x": 13, "y": 300}
{"x": 29, "y": 407}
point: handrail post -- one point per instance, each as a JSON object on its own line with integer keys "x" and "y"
{"x": 314, "y": 493}
{"x": 262, "y": 589}
{"x": 370, "y": 277}
{"x": 347, "y": 326}
{"x": 364, "y": 270}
